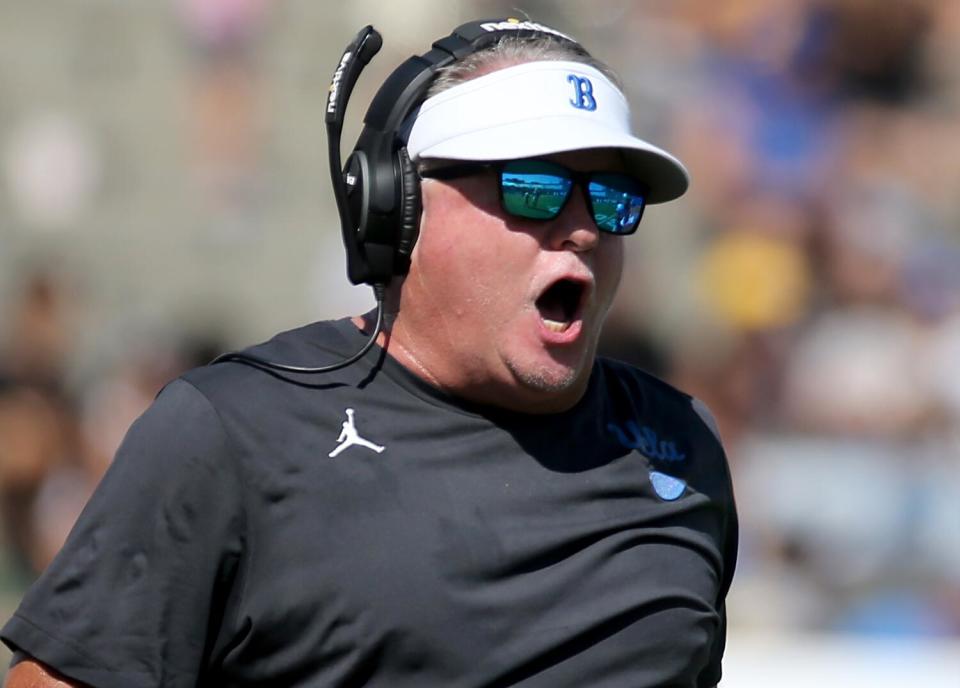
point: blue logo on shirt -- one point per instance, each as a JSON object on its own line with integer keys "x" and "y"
{"x": 583, "y": 93}
{"x": 644, "y": 439}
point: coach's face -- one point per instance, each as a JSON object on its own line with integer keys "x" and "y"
{"x": 502, "y": 310}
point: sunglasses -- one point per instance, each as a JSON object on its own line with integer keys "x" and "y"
{"x": 539, "y": 190}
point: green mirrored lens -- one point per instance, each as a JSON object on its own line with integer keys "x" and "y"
{"x": 534, "y": 189}
{"x": 617, "y": 201}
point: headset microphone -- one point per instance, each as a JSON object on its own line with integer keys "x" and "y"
{"x": 355, "y": 57}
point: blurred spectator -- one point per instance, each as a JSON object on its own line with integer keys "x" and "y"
{"x": 36, "y": 437}
{"x": 225, "y": 107}
{"x": 754, "y": 274}
{"x": 867, "y": 50}
{"x": 37, "y": 430}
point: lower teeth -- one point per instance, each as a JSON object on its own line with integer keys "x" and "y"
{"x": 554, "y": 325}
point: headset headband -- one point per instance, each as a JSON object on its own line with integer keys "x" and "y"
{"x": 405, "y": 87}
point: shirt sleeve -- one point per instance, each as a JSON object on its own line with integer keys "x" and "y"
{"x": 137, "y": 594}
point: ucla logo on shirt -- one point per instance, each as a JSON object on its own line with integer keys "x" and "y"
{"x": 582, "y": 93}
{"x": 645, "y": 440}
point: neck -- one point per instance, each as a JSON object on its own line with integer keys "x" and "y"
{"x": 397, "y": 346}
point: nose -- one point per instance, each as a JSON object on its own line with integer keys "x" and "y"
{"x": 574, "y": 228}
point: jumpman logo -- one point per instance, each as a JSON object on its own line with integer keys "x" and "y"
{"x": 350, "y": 437}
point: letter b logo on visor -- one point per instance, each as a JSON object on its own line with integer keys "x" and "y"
{"x": 583, "y": 93}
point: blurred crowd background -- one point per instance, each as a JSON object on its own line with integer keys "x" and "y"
{"x": 164, "y": 196}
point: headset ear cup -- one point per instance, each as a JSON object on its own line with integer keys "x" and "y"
{"x": 410, "y": 208}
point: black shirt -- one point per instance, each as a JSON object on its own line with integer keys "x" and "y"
{"x": 365, "y": 529}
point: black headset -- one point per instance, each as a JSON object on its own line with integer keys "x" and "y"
{"x": 378, "y": 194}
{"x": 378, "y": 191}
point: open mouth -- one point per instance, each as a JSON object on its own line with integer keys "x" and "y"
{"x": 559, "y": 305}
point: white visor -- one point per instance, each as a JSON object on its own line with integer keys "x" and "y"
{"x": 535, "y": 109}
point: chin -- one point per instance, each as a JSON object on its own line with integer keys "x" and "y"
{"x": 551, "y": 378}
{"x": 558, "y": 385}
{"x": 547, "y": 380}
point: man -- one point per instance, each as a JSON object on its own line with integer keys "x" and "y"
{"x": 479, "y": 501}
